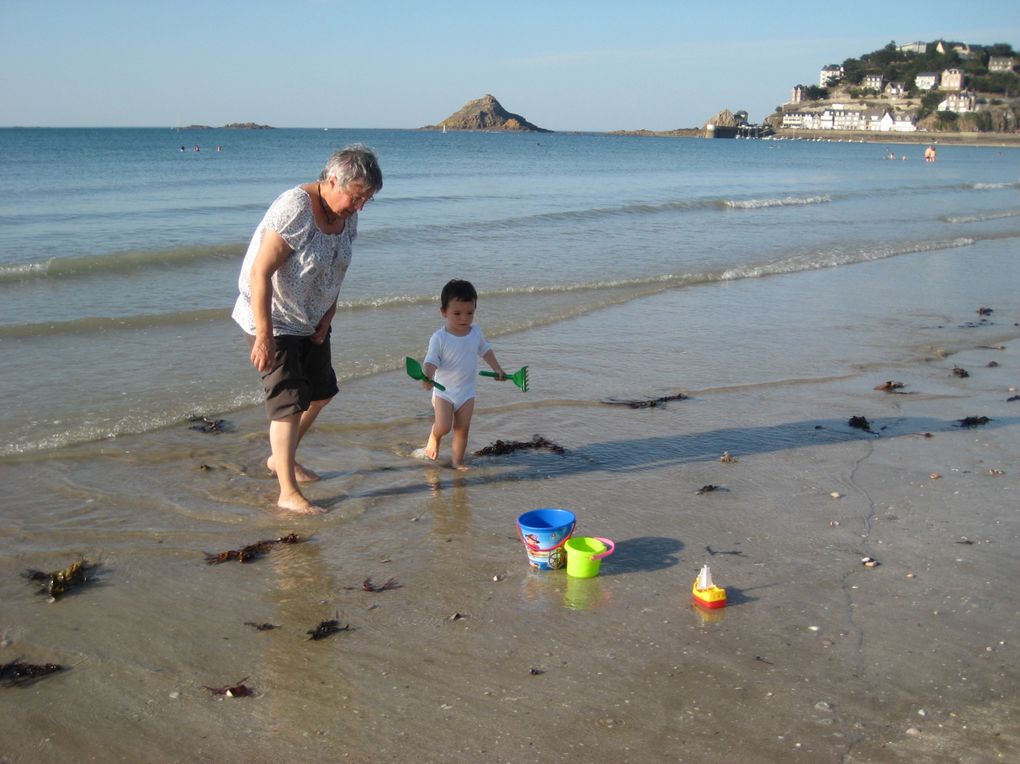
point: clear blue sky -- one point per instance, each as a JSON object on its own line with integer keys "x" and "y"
{"x": 562, "y": 64}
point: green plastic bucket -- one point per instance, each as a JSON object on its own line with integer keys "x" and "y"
{"x": 585, "y": 553}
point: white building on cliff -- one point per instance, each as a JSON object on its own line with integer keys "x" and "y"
{"x": 829, "y": 74}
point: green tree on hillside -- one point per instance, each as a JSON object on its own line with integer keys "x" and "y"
{"x": 929, "y": 103}
{"x": 1000, "y": 49}
{"x": 1006, "y": 83}
{"x": 946, "y": 120}
{"x": 983, "y": 120}
{"x": 814, "y": 92}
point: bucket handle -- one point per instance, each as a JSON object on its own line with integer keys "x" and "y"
{"x": 573, "y": 525}
{"x": 611, "y": 548}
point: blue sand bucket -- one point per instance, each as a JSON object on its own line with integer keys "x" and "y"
{"x": 544, "y": 532}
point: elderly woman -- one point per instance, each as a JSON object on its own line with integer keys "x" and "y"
{"x": 289, "y": 284}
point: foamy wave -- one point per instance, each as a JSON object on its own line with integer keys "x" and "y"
{"x": 113, "y": 427}
{"x": 834, "y": 259}
{"x": 662, "y": 282}
{"x": 114, "y": 261}
{"x": 991, "y": 186}
{"x": 91, "y": 324}
{"x": 981, "y": 216}
{"x": 23, "y": 271}
{"x": 788, "y": 201}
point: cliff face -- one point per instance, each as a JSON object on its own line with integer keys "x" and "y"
{"x": 486, "y": 113}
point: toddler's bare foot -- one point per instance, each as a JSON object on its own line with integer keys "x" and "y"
{"x": 419, "y": 453}
{"x": 303, "y": 475}
{"x": 431, "y": 449}
{"x": 297, "y": 503}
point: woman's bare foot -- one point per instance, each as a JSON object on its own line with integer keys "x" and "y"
{"x": 303, "y": 475}
{"x": 298, "y": 504}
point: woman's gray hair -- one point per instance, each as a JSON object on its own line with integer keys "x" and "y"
{"x": 354, "y": 164}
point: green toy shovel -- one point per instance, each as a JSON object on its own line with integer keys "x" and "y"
{"x": 414, "y": 372}
{"x": 519, "y": 377}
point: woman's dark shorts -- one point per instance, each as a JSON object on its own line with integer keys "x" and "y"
{"x": 302, "y": 372}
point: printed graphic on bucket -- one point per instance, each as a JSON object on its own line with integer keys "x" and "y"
{"x": 543, "y": 533}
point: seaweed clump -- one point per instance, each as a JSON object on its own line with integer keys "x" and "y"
{"x": 861, "y": 423}
{"x": 645, "y": 404}
{"x": 17, "y": 673}
{"x": 209, "y": 426}
{"x": 238, "y": 690}
{"x": 59, "y": 582}
{"x": 973, "y": 421}
{"x": 252, "y": 551}
{"x": 327, "y": 628}
{"x": 503, "y": 447}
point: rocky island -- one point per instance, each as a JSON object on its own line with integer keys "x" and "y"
{"x": 486, "y": 114}
{"x": 231, "y": 126}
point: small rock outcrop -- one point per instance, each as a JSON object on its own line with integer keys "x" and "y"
{"x": 727, "y": 118}
{"x": 246, "y": 126}
{"x": 486, "y": 113}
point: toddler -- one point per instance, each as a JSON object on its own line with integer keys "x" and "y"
{"x": 452, "y": 360}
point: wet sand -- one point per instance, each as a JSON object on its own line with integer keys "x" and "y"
{"x": 474, "y": 657}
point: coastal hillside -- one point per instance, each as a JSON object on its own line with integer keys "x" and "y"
{"x": 486, "y": 113}
{"x": 936, "y": 87}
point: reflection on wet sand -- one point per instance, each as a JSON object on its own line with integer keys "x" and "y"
{"x": 585, "y": 594}
{"x": 448, "y": 504}
{"x": 546, "y": 591}
{"x": 296, "y": 672}
{"x": 706, "y": 616}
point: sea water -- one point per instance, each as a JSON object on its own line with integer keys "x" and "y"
{"x": 775, "y": 283}
{"x": 120, "y": 249}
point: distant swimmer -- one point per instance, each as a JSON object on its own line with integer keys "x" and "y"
{"x": 197, "y": 148}
{"x": 183, "y": 148}
{"x": 929, "y": 154}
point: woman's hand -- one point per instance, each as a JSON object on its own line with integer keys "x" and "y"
{"x": 263, "y": 351}
{"x": 321, "y": 332}
{"x": 322, "y": 328}
{"x": 273, "y": 252}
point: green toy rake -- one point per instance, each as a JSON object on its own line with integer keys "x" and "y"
{"x": 519, "y": 377}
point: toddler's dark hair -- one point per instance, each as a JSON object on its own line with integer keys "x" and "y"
{"x": 458, "y": 289}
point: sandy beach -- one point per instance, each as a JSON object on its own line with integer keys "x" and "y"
{"x": 470, "y": 656}
{"x": 995, "y": 140}
{"x": 1000, "y": 140}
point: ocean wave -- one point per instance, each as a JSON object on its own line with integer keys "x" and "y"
{"x": 833, "y": 258}
{"x": 94, "y": 324}
{"x": 981, "y": 217}
{"x": 129, "y": 260}
{"x": 636, "y": 286}
{"x": 786, "y": 201}
{"x": 115, "y": 217}
{"x": 437, "y": 231}
{"x": 119, "y": 426}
